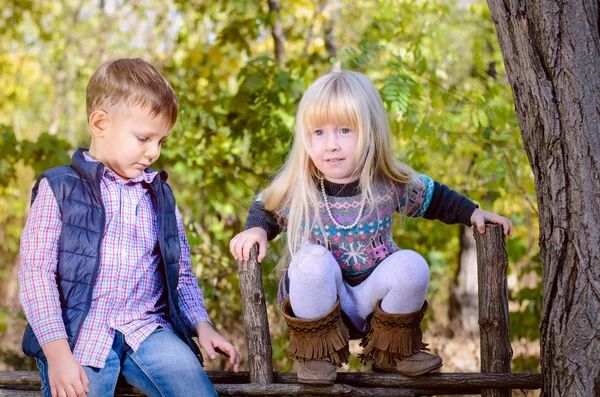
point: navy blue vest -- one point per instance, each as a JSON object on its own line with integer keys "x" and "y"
{"x": 77, "y": 192}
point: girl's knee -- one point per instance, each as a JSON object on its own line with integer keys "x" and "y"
{"x": 417, "y": 262}
{"x": 418, "y": 268}
{"x": 311, "y": 253}
{"x": 314, "y": 261}
{"x": 408, "y": 268}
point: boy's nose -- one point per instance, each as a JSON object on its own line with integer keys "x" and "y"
{"x": 152, "y": 153}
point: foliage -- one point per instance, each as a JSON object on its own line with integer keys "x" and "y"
{"x": 436, "y": 63}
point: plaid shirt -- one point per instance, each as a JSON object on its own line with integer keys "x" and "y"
{"x": 128, "y": 285}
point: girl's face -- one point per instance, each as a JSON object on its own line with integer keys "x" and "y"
{"x": 333, "y": 152}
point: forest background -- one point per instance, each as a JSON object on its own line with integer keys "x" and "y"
{"x": 239, "y": 68}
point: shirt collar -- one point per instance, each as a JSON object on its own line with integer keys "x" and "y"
{"x": 147, "y": 177}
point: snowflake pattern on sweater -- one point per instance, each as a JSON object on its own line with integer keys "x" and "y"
{"x": 359, "y": 250}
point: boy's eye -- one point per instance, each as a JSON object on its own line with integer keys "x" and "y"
{"x": 319, "y": 132}
{"x": 143, "y": 139}
{"x": 345, "y": 130}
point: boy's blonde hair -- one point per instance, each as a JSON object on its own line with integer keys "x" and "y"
{"x": 131, "y": 82}
{"x": 342, "y": 98}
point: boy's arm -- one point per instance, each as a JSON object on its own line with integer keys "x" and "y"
{"x": 191, "y": 302}
{"x": 39, "y": 293}
{"x": 191, "y": 298}
{"x": 37, "y": 273}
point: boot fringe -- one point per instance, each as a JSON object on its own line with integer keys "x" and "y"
{"x": 392, "y": 336}
{"x": 324, "y": 338}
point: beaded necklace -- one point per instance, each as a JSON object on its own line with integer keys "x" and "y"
{"x": 328, "y": 208}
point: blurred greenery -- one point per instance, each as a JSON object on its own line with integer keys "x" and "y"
{"x": 436, "y": 63}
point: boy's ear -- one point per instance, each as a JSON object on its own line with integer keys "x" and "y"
{"x": 98, "y": 122}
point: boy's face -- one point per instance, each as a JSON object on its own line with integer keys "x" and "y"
{"x": 127, "y": 140}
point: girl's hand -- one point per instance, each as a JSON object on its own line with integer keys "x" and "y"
{"x": 241, "y": 244}
{"x": 212, "y": 342}
{"x": 480, "y": 216}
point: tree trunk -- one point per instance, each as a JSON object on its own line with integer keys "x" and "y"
{"x": 278, "y": 33}
{"x": 463, "y": 313}
{"x": 552, "y": 55}
{"x": 330, "y": 42}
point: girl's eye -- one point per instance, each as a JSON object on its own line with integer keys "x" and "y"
{"x": 345, "y": 130}
{"x": 319, "y": 132}
{"x": 143, "y": 139}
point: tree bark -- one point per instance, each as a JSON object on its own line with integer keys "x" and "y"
{"x": 552, "y": 55}
{"x": 463, "y": 312}
{"x": 330, "y": 42}
{"x": 277, "y": 33}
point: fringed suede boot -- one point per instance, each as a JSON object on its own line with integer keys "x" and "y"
{"x": 394, "y": 344}
{"x": 319, "y": 344}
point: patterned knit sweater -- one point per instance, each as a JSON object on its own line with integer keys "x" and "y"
{"x": 360, "y": 249}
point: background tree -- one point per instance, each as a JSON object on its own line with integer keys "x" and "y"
{"x": 551, "y": 51}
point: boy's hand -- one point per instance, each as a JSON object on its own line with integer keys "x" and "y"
{"x": 66, "y": 376}
{"x": 211, "y": 342}
{"x": 241, "y": 244}
{"x": 480, "y": 216}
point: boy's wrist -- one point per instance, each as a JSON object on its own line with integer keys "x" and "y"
{"x": 56, "y": 350}
{"x": 203, "y": 326}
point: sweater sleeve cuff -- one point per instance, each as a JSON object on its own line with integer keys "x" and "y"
{"x": 263, "y": 223}
{"x": 466, "y": 210}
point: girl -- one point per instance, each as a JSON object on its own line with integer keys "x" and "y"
{"x": 336, "y": 196}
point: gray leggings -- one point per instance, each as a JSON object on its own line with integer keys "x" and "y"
{"x": 401, "y": 280}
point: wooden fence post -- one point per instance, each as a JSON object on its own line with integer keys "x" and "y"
{"x": 492, "y": 265}
{"x": 254, "y": 309}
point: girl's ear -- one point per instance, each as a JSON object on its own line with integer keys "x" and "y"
{"x": 98, "y": 123}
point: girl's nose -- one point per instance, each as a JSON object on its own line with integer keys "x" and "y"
{"x": 332, "y": 142}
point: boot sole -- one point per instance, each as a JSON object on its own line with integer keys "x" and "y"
{"x": 395, "y": 371}
{"x": 316, "y": 382}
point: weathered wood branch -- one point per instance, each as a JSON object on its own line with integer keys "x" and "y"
{"x": 492, "y": 265}
{"x": 454, "y": 381}
{"x": 254, "y": 309}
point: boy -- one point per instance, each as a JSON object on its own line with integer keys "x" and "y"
{"x": 105, "y": 276}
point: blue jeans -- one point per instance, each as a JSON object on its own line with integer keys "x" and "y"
{"x": 162, "y": 366}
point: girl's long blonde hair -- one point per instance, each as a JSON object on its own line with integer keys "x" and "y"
{"x": 341, "y": 98}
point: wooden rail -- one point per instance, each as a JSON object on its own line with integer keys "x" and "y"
{"x": 351, "y": 383}
{"x": 495, "y": 379}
